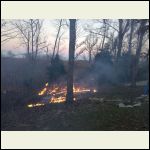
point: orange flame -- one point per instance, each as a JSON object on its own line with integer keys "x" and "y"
{"x": 35, "y": 105}
{"x": 42, "y": 92}
{"x": 58, "y": 94}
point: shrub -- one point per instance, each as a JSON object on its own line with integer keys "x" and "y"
{"x": 56, "y": 69}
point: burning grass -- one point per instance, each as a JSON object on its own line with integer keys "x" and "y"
{"x": 57, "y": 94}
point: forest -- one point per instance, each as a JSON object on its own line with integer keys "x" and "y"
{"x": 75, "y": 75}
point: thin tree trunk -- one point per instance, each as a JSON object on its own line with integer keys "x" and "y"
{"x": 122, "y": 32}
{"x": 37, "y": 47}
{"x": 130, "y": 47}
{"x": 90, "y": 56}
{"x": 28, "y": 45}
{"x": 56, "y": 40}
{"x": 131, "y": 36}
{"x": 141, "y": 32}
{"x": 103, "y": 41}
{"x": 119, "y": 47}
{"x": 58, "y": 45}
{"x": 28, "y": 50}
{"x": 120, "y": 39}
{"x": 32, "y": 38}
{"x": 137, "y": 57}
{"x": 69, "y": 96}
{"x": 104, "y": 35}
{"x": 114, "y": 47}
{"x": 47, "y": 53}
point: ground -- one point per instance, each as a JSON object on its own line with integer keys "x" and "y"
{"x": 87, "y": 114}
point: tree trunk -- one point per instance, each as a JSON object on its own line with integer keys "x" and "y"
{"x": 56, "y": 39}
{"x": 114, "y": 47}
{"x": 130, "y": 48}
{"x": 103, "y": 41}
{"x": 36, "y": 47}
{"x": 119, "y": 46}
{"x": 28, "y": 45}
{"x": 32, "y": 44}
{"x": 131, "y": 36}
{"x": 141, "y": 32}
{"x": 120, "y": 39}
{"x": 58, "y": 45}
{"x": 90, "y": 56}
{"x": 104, "y": 35}
{"x": 69, "y": 96}
{"x": 137, "y": 57}
{"x": 28, "y": 49}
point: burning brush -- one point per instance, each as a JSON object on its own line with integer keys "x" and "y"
{"x": 57, "y": 94}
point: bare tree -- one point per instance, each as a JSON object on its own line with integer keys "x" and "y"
{"x": 132, "y": 23}
{"x": 98, "y": 39}
{"x": 80, "y": 43}
{"x": 39, "y": 42}
{"x": 143, "y": 28}
{"x": 59, "y": 41}
{"x": 8, "y": 32}
{"x": 29, "y": 32}
{"x": 57, "y": 36}
{"x": 90, "y": 44}
{"x": 35, "y": 26}
{"x": 114, "y": 32}
{"x": 105, "y": 31}
{"x": 23, "y": 30}
{"x": 72, "y": 39}
{"x": 123, "y": 28}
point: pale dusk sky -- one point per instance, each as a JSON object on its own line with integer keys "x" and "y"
{"x": 49, "y": 31}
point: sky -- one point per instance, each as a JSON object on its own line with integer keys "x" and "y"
{"x": 49, "y": 31}
{"x": 15, "y": 45}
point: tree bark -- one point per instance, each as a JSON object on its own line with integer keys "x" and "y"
{"x": 32, "y": 38}
{"x": 137, "y": 57}
{"x": 90, "y": 56}
{"x": 122, "y": 32}
{"x": 37, "y": 47}
{"x": 120, "y": 38}
{"x": 58, "y": 46}
{"x": 130, "y": 48}
{"x": 69, "y": 96}
{"x": 28, "y": 45}
{"x": 103, "y": 41}
{"x": 56, "y": 39}
{"x": 131, "y": 36}
{"x": 141, "y": 32}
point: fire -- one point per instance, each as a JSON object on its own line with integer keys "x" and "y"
{"x": 58, "y": 100}
{"x": 57, "y": 94}
{"x": 46, "y": 84}
{"x": 42, "y": 92}
{"x": 35, "y": 105}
